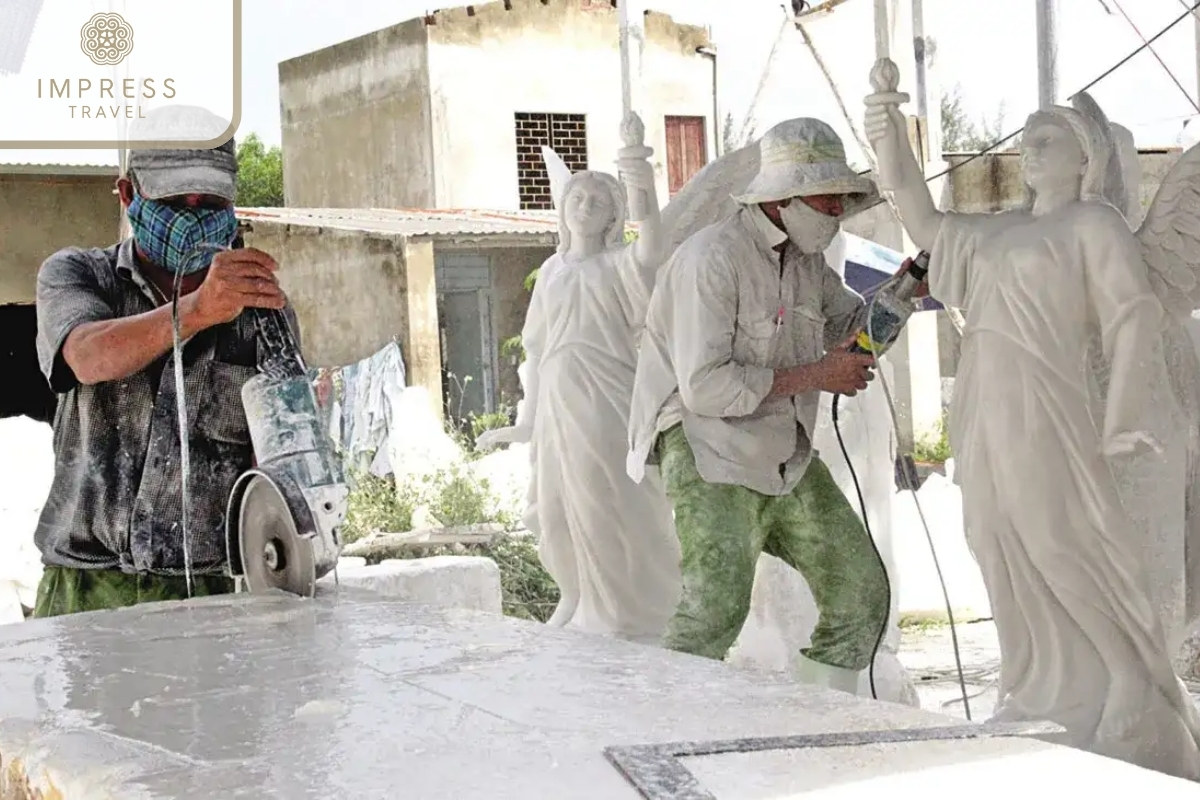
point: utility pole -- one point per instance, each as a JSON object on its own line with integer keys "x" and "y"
{"x": 1047, "y": 43}
{"x": 929, "y": 99}
{"x": 1196, "y": 14}
{"x": 633, "y": 37}
{"x": 918, "y": 386}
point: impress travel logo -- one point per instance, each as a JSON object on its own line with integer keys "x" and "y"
{"x": 106, "y": 39}
{"x": 83, "y": 75}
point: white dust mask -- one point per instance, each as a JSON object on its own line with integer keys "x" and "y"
{"x": 810, "y": 230}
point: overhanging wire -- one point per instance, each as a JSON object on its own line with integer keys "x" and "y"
{"x": 1157, "y": 57}
{"x": 1191, "y": 10}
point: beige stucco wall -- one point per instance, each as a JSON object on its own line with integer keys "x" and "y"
{"x": 354, "y": 292}
{"x": 355, "y": 121}
{"x": 40, "y": 214}
{"x": 993, "y": 182}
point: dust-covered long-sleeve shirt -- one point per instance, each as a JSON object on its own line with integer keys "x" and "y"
{"x": 736, "y": 302}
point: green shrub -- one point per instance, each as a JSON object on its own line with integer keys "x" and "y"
{"x": 935, "y": 449}
{"x": 456, "y": 498}
{"x": 481, "y": 423}
{"x": 512, "y": 347}
{"x": 375, "y": 504}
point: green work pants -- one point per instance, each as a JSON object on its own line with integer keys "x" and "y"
{"x": 69, "y": 591}
{"x": 724, "y": 528}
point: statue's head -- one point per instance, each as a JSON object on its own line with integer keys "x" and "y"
{"x": 1062, "y": 147}
{"x": 593, "y": 204}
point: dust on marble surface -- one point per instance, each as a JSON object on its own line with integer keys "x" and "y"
{"x": 353, "y": 695}
{"x": 175, "y": 699}
{"x": 350, "y": 694}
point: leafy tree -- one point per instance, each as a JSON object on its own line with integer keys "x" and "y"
{"x": 260, "y": 174}
{"x": 961, "y": 134}
{"x": 732, "y": 138}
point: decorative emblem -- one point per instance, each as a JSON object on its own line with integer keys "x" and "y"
{"x": 106, "y": 39}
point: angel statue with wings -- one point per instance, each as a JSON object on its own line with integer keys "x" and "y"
{"x": 607, "y": 542}
{"x": 1082, "y": 643}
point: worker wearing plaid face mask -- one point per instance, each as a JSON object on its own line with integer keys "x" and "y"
{"x": 110, "y": 532}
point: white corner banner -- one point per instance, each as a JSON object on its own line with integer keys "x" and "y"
{"x": 86, "y": 73}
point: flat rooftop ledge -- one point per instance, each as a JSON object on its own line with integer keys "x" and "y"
{"x": 354, "y": 695}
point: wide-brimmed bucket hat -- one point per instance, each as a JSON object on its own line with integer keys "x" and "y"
{"x": 803, "y": 158}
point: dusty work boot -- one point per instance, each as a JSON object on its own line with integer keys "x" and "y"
{"x": 817, "y": 674}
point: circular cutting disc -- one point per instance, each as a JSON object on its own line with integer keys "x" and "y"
{"x": 274, "y": 556}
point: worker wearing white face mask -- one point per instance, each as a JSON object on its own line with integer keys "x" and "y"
{"x": 747, "y": 326}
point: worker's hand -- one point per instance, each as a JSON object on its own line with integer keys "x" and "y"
{"x": 843, "y": 372}
{"x": 237, "y": 280}
{"x": 922, "y": 287}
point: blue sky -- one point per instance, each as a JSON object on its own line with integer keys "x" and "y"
{"x": 988, "y": 46}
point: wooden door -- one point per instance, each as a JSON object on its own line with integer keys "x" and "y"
{"x": 687, "y": 150}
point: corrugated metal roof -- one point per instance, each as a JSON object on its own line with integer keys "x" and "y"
{"x": 53, "y": 159}
{"x": 412, "y": 221}
{"x": 59, "y": 169}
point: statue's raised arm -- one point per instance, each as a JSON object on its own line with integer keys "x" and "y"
{"x": 899, "y": 172}
{"x": 637, "y": 174}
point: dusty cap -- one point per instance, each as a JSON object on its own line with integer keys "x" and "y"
{"x": 169, "y": 173}
{"x": 802, "y": 158}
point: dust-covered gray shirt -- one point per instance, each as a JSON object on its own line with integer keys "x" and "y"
{"x": 733, "y": 304}
{"x": 116, "y": 502}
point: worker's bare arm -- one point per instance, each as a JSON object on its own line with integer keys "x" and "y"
{"x": 113, "y": 349}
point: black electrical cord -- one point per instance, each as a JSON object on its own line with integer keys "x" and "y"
{"x": 862, "y": 504}
{"x": 962, "y": 682}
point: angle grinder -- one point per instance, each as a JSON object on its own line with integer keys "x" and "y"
{"x": 285, "y": 514}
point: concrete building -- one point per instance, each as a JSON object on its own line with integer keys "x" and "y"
{"x": 449, "y": 110}
{"x": 447, "y": 286}
{"x": 43, "y": 208}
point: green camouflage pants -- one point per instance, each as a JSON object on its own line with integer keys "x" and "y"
{"x": 722, "y": 531}
{"x": 71, "y": 591}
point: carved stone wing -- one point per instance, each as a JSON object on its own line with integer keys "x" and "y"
{"x": 1170, "y": 237}
{"x": 708, "y": 196}
{"x": 559, "y": 174}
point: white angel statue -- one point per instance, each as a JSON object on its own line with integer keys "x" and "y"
{"x": 1161, "y": 494}
{"x": 608, "y": 543}
{"x": 1081, "y": 641}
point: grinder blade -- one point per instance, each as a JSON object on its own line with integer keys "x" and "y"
{"x": 274, "y": 555}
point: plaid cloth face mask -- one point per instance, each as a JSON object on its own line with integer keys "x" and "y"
{"x": 169, "y": 237}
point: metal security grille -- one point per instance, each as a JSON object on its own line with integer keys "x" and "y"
{"x": 566, "y": 134}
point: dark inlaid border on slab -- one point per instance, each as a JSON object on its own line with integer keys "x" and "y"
{"x": 657, "y": 772}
